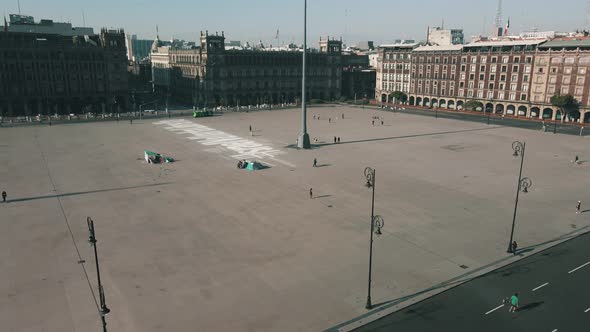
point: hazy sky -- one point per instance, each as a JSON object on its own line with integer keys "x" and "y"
{"x": 354, "y": 20}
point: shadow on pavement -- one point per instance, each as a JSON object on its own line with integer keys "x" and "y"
{"x": 85, "y": 192}
{"x": 530, "y": 306}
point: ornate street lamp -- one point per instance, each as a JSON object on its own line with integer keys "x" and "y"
{"x": 523, "y": 185}
{"x": 103, "y": 310}
{"x": 376, "y": 225}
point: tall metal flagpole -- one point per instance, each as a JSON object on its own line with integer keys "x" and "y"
{"x": 303, "y": 139}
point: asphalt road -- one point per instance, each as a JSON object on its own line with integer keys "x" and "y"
{"x": 553, "y": 290}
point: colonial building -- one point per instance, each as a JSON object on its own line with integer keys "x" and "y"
{"x": 393, "y": 70}
{"x": 210, "y": 75}
{"x": 50, "y": 73}
{"x": 562, "y": 66}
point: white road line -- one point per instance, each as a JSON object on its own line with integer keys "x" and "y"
{"x": 496, "y": 308}
{"x": 554, "y": 330}
{"x": 587, "y": 310}
{"x": 543, "y": 285}
{"x": 579, "y": 267}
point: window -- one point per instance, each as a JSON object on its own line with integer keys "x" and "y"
{"x": 470, "y": 93}
{"x": 578, "y": 91}
{"x": 500, "y": 95}
{"x": 580, "y": 81}
{"x": 473, "y": 59}
{"x": 540, "y": 70}
{"x": 490, "y": 94}
{"x": 462, "y": 67}
{"x": 515, "y": 69}
{"x": 492, "y": 77}
{"x": 491, "y": 86}
{"x": 525, "y": 78}
{"x": 514, "y": 78}
{"x": 480, "y": 85}
{"x": 462, "y": 76}
{"x": 503, "y": 78}
{"x": 523, "y": 97}
{"x": 479, "y": 94}
{"x": 501, "y": 86}
{"x": 529, "y": 59}
{"x": 471, "y": 85}
{"x": 513, "y": 96}
{"x": 464, "y": 59}
{"x": 513, "y": 87}
{"x": 504, "y": 69}
{"x": 471, "y": 76}
{"x": 525, "y": 87}
{"x": 570, "y": 60}
{"x": 461, "y": 84}
{"x": 482, "y": 68}
{"x": 494, "y": 59}
{"x": 493, "y": 69}
{"x": 460, "y": 93}
{"x": 566, "y": 79}
{"x": 483, "y": 59}
{"x": 472, "y": 68}
{"x": 567, "y": 70}
{"x": 551, "y": 90}
{"x": 581, "y": 71}
{"x": 527, "y": 69}
{"x": 516, "y": 59}
{"x": 552, "y": 79}
{"x": 556, "y": 60}
{"x": 481, "y": 77}
{"x": 505, "y": 59}
{"x": 565, "y": 90}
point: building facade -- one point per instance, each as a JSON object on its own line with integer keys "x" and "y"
{"x": 393, "y": 70}
{"x": 210, "y": 75}
{"x": 514, "y": 77}
{"x": 54, "y": 74}
{"x": 443, "y": 37}
{"x": 561, "y": 67}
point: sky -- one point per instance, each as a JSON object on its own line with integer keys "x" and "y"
{"x": 354, "y": 20}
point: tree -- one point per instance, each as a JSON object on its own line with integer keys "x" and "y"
{"x": 565, "y": 104}
{"x": 399, "y": 96}
{"x": 473, "y": 105}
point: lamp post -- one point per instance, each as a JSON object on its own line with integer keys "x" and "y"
{"x": 522, "y": 185}
{"x": 103, "y": 310}
{"x": 489, "y": 111}
{"x": 376, "y": 225}
{"x": 303, "y": 140}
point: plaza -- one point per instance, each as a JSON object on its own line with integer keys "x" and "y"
{"x": 199, "y": 245}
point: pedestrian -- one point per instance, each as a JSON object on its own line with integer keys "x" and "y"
{"x": 576, "y": 159}
{"x": 578, "y": 206}
{"x": 338, "y": 139}
{"x": 250, "y": 127}
{"x": 315, "y": 162}
{"x": 310, "y": 193}
{"x": 513, "y": 303}
{"x": 342, "y": 115}
{"x": 373, "y": 122}
{"x": 314, "y": 116}
{"x": 130, "y": 121}
{"x": 318, "y": 117}
{"x": 329, "y": 120}
{"x": 514, "y": 247}
{"x": 4, "y": 196}
{"x": 381, "y": 122}
{"x": 334, "y": 139}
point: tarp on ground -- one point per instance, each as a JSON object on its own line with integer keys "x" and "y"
{"x": 254, "y": 165}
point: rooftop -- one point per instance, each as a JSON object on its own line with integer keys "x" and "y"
{"x": 566, "y": 42}
{"x": 501, "y": 43}
{"x": 438, "y": 48}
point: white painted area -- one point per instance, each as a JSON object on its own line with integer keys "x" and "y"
{"x": 543, "y": 285}
{"x": 579, "y": 267}
{"x": 496, "y": 308}
{"x": 587, "y": 310}
{"x": 554, "y": 330}
{"x": 243, "y": 148}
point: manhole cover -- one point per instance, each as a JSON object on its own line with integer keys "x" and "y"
{"x": 464, "y": 266}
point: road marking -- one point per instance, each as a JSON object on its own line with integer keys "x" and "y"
{"x": 587, "y": 310}
{"x": 579, "y": 267}
{"x": 496, "y": 308}
{"x": 554, "y": 330}
{"x": 543, "y": 285}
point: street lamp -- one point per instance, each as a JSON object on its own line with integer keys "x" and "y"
{"x": 489, "y": 111}
{"x": 103, "y": 310}
{"x": 523, "y": 185}
{"x": 376, "y": 225}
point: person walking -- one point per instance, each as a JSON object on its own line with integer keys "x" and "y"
{"x": 334, "y": 139}
{"x": 578, "y": 207}
{"x": 576, "y": 159}
{"x": 315, "y": 162}
{"x": 329, "y": 120}
{"x": 310, "y": 193}
{"x": 513, "y": 303}
{"x": 373, "y": 122}
{"x": 342, "y": 115}
{"x": 4, "y": 196}
{"x": 381, "y": 122}
{"x": 514, "y": 247}
{"x": 250, "y": 127}
{"x": 338, "y": 139}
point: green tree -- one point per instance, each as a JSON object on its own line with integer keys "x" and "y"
{"x": 566, "y": 105}
{"x": 473, "y": 105}
{"x": 399, "y": 96}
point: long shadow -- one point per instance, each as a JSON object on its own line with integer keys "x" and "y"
{"x": 85, "y": 192}
{"x": 323, "y": 196}
{"x": 530, "y": 306}
{"x": 323, "y": 165}
{"x": 407, "y": 136}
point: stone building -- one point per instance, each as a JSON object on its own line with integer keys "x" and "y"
{"x": 393, "y": 70}
{"x": 50, "y": 73}
{"x": 562, "y": 66}
{"x": 211, "y": 75}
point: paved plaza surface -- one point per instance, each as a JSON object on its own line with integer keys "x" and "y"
{"x": 552, "y": 290}
{"x": 199, "y": 245}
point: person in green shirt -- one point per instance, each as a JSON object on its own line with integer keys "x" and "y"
{"x": 513, "y": 303}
